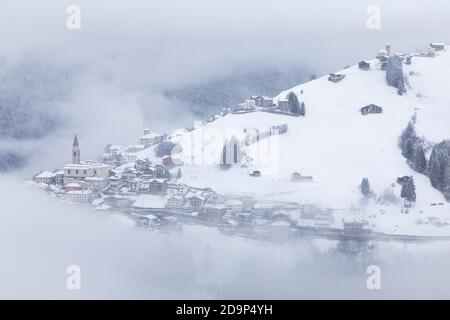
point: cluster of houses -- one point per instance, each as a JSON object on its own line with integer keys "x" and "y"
{"x": 104, "y": 185}
{"x": 146, "y": 189}
{"x": 210, "y": 206}
{"x": 82, "y": 181}
{"x": 253, "y": 103}
{"x": 260, "y": 103}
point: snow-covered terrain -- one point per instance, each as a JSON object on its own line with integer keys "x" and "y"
{"x": 338, "y": 146}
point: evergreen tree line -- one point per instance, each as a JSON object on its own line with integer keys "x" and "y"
{"x": 437, "y": 168}
{"x": 413, "y": 149}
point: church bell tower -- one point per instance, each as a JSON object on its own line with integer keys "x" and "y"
{"x": 75, "y": 151}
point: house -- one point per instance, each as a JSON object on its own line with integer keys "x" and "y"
{"x": 283, "y": 104}
{"x": 80, "y": 195}
{"x": 135, "y": 184}
{"x": 95, "y": 183}
{"x": 153, "y": 186}
{"x": 431, "y": 52}
{"x": 235, "y": 206}
{"x": 354, "y": 228}
{"x": 213, "y": 212}
{"x": 86, "y": 169}
{"x": 382, "y": 55}
{"x": 371, "y": 109}
{"x": 151, "y": 138}
{"x": 161, "y": 171}
{"x": 437, "y": 46}
{"x": 297, "y": 177}
{"x": 195, "y": 202}
{"x": 258, "y": 100}
{"x": 175, "y": 203}
{"x": 246, "y": 218}
{"x": 177, "y": 189}
{"x": 267, "y": 102}
{"x": 364, "y": 65}
{"x": 278, "y": 129}
{"x": 214, "y": 198}
{"x": 247, "y": 105}
{"x": 59, "y": 177}
{"x": 255, "y": 173}
{"x": 115, "y": 181}
{"x": 335, "y": 77}
{"x": 129, "y": 174}
{"x": 263, "y": 102}
{"x": 248, "y": 201}
{"x": 73, "y": 186}
{"x": 263, "y": 210}
{"x": 46, "y": 177}
{"x": 142, "y": 165}
{"x": 134, "y": 148}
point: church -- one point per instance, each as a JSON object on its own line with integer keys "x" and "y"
{"x": 83, "y": 169}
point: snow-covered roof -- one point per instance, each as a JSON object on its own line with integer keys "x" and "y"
{"x": 94, "y": 179}
{"x": 102, "y": 207}
{"x": 73, "y": 185}
{"x": 151, "y": 135}
{"x": 216, "y": 206}
{"x": 45, "y": 174}
{"x": 150, "y": 201}
{"x": 80, "y": 192}
{"x": 85, "y": 165}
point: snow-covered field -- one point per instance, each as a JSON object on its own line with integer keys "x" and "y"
{"x": 338, "y": 146}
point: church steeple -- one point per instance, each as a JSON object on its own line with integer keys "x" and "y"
{"x": 75, "y": 151}
{"x": 75, "y": 141}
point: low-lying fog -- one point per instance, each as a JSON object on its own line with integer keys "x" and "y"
{"x": 41, "y": 237}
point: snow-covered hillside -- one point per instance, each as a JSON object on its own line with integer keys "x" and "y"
{"x": 335, "y": 144}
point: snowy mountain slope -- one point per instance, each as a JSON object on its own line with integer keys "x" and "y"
{"x": 335, "y": 144}
{"x": 432, "y": 85}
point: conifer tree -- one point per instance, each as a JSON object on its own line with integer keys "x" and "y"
{"x": 409, "y": 191}
{"x": 294, "y": 105}
{"x": 365, "y": 187}
{"x": 419, "y": 160}
{"x": 408, "y": 134}
{"x": 408, "y": 149}
{"x": 302, "y": 110}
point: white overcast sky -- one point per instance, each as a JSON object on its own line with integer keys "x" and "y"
{"x": 201, "y": 36}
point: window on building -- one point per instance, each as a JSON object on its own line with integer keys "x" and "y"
{"x": 76, "y": 171}
{"x": 84, "y": 171}
{"x": 68, "y": 171}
